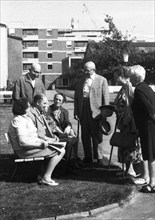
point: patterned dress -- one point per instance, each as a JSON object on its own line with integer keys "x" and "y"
{"x": 126, "y": 123}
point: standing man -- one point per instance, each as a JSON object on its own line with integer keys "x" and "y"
{"x": 29, "y": 85}
{"x": 91, "y": 92}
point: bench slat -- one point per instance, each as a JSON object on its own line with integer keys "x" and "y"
{"x": 29, "y": 159}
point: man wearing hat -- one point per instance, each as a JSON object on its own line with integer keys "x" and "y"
{"x": 29, "y": 84}
{"x": 91, "y": 92}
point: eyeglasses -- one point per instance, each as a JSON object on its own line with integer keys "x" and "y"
{"x": 36, "y": 72}
{"x": 87, "y": 71}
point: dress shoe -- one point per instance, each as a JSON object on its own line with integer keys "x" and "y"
{"x": 48, "y": 183}
{"x": 103, "y": 162}
{"x": 141, "y": 181}
{"x": 80, "y": 163}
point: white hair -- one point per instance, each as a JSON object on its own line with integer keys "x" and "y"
{"x": 138, "y": 72}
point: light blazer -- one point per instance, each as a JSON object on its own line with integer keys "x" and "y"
{"x": 24, "y": 88}
{"x": 42, "y": 126}
{"x": 99, "y": 95}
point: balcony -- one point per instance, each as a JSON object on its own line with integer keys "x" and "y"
{"x": 30, "y": 37}
{"x": 30, "y": 49}
{"x": 80, "y": 49}
{"x": 30, "y": 60}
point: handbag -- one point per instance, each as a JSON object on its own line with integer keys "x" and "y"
{"x": 123, "y": 140}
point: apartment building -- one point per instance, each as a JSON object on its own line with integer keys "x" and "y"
{"x": 55, "y": 49}
{"x": 50, "y": 46}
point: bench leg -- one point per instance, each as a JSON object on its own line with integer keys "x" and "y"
{"x": 110, "y": 156}
{"x": 14, "y": 172}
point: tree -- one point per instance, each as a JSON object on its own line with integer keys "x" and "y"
{"x": 108, "y": 53}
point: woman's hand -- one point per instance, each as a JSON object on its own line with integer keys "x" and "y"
{"x": 44, "y": 145}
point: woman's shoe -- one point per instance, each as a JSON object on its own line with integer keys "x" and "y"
{"x": 148, "y": 189}
{"x": 48, "y": 183}
{"x": 39, "y": 178}
{"x": 141, "y": 181}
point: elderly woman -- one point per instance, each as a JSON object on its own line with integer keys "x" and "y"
{"x": 143, "y": 107}
{"x": 125, "y": 118}
{"x": 26, "y": 143}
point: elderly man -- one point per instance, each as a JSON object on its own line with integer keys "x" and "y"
{"x": 40, "y": 105}
{"x": 91, "y": 92}
{"x": 29, "y": 85}
{"x": 38, "y": 115}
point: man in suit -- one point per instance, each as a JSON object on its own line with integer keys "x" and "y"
{"x": 36, "y": 113}
{"x": 91, "y": 92}
{"x": 63, "y": 128}
{"x": 29, "y": 85}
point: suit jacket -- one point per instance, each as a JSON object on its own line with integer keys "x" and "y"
{"x": 24, "y": 88}
{"x": 143, "y": 105}
{"x": 99, "y": 95}
{"x": 64, "y": 117}
{"x": 40, "y": 122}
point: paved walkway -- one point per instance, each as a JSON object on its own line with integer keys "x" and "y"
{"x": 141, "y": 207}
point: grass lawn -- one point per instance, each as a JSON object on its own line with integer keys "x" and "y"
{"x": 23, "y": 198}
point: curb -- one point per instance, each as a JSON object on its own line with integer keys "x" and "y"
{"x": 94, "y": 212}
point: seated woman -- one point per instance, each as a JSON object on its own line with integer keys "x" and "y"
{"x": 26, "y": 143}
{"x": 58, "y": 118}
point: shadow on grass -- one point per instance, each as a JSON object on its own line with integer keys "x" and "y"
{"x": 22, "y": 198}
{"x": 28, "y": 172}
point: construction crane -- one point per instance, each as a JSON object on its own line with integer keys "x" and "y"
{"x": 85, "y": 9}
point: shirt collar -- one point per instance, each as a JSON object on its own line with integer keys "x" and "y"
{"x": 92, "y": 76}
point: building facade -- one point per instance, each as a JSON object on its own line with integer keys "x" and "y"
{"x": 3, "y": 56}
{"x": 50, "y": 46}
{"x": 55, "y": 49}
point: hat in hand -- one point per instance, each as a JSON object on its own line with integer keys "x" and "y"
{"x": 107, "y": 110}
{"x": 105, "y": 126}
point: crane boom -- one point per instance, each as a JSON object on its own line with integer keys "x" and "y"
{"x": 86, "y": 10}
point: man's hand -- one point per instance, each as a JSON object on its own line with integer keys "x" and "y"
{"x": 67, "y": 130}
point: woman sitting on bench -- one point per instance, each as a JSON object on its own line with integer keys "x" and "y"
{"x": 26, "y": 143}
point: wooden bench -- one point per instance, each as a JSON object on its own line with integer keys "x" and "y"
{"x": 33, "y": 159}
{"x": 22, "y": 160}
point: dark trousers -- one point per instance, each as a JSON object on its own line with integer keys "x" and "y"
{"x": 90, "y": 132}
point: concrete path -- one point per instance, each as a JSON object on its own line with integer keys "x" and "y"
{"x": 141, "y": 207}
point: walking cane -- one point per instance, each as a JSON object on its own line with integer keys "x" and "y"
{"x": 78, "y": 127}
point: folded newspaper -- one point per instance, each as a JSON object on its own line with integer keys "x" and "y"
{"x": 58, "y": 145}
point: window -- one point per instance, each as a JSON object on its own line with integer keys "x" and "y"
{"x": 49, "y": 43}
{"x": 50, "y": 66}
{"x": 80, "y": 43}
{"x": 27, "y": 66}
{"x": 68, "y": 43}
{"x": 30, "y": 55}
{"x": 49, "y": 32}
{"x": 12, "y": 31}
{"x": 30, "y": 44}
{"x": 68, "y": 53}
{"x": 30, "y": 32}
{"x": 49, "y": 55}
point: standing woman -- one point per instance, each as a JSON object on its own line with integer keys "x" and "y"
{"x": 125, "y": 118}
{"x": 143, "y": 107}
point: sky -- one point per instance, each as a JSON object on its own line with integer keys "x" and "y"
{"x": 135, "y": 17}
